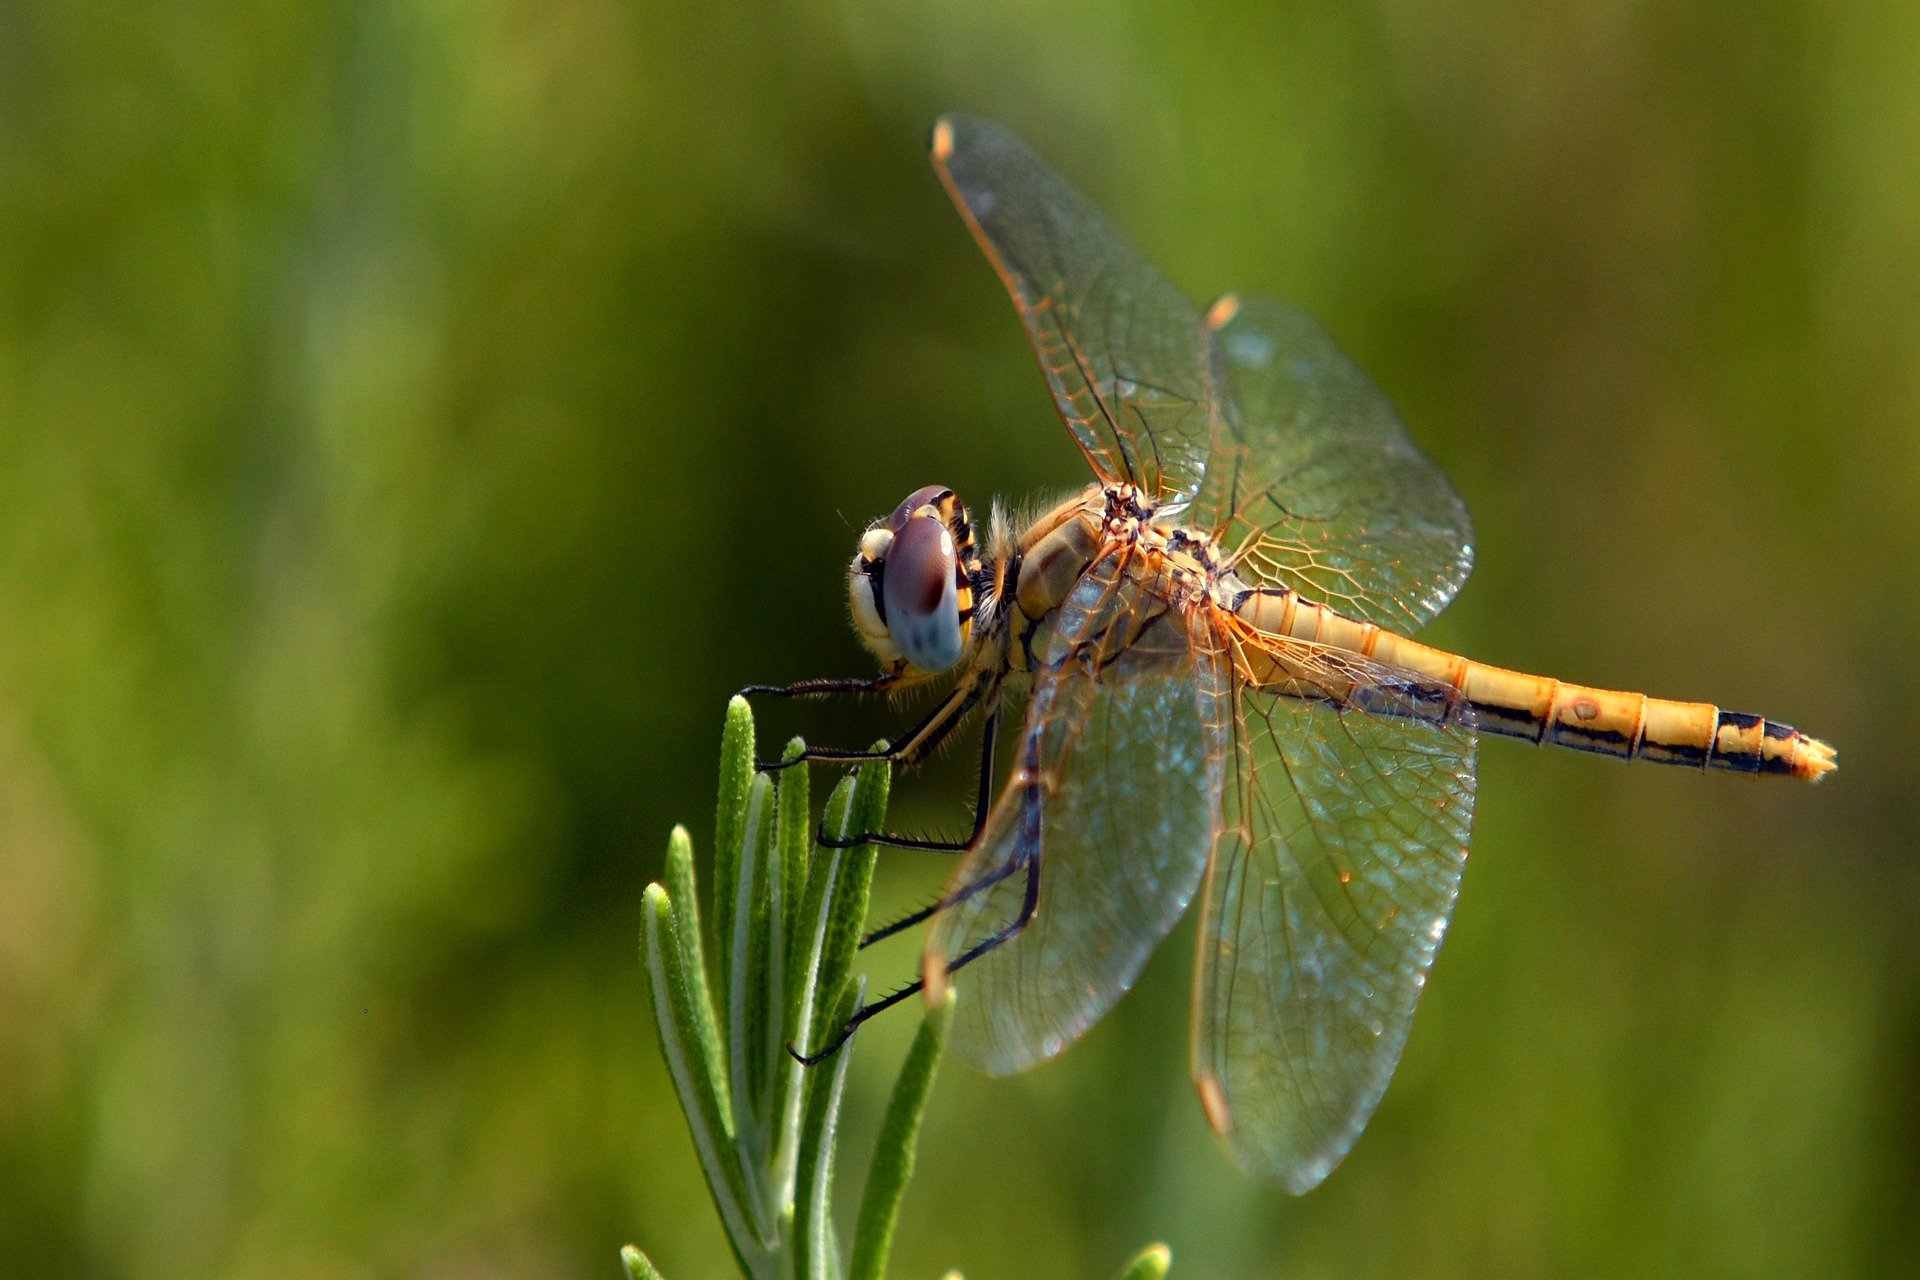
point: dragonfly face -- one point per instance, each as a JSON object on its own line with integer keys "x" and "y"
{"x": 1221, "y": 701}
{"x": 911, "y": 583}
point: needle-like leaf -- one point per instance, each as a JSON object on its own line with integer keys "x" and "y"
{"x": 677, "y": 1016}
{"x": 1151, "y": 1263}
{"x": 686, "y": 935}
{"x": 793, "y": 969}
{"x": 807, "y": 994}
{"x": 747, "y": 942}
{"x": 729, "y": 830}
{"x": 866, "y": 806}
{"x": 893, "y": 1152}
{"x": 637, "y": 1265}
{"x": 816, "y": 909}
{"x": 815, "y": 1257}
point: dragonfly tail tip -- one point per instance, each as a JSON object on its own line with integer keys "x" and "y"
{"x": 1815, "y": 759}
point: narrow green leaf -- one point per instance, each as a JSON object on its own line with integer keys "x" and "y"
{"x": 816, "y": 911}
{"x": 796, "y": 844}
{"x": 729, "y": 830}
{"x": 747, "y": 1027}
{"x": 676, "y": 1018}
{"x": 857, "y": 804}
{"x": 1152, "y": 1263}
{"x": 805, "y": 998}
{"x": 637, "y": 1265}
{"x": 893, "y": 1152}
{"x": 682, "y": 897}
{"x": 785, "y": 981}
{"x": 847, "y": 916}
{"x": 815, "y": 1258}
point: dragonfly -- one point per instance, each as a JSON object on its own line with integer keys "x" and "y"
{"x": 1207, "y": 649}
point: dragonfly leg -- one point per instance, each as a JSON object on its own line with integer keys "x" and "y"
{"x": 1029, "y": 902}
{"x": 905, "y": 749}
{"x": 1029, "y": 858}
{"x": 823, "y": 688}
{"x": 859, "y": 686}
{"x": 941, "y": 903}
{"x": 1026, "y": 857}
{"x": 848, "y": 1027}
{"x": 983, "y": 799}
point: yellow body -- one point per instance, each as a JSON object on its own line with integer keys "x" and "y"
{"x": 1056, "y": 549}
{"x": 1545, "y": 710}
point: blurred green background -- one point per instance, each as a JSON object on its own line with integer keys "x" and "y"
{"x": 416, "y": 418}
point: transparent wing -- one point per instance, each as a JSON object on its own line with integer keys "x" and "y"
{"x": 1279, "y": 441}
{"x": 1123, "y": 350}
{"x": 1103, "y": 829}
{"x": 1345, "y": 838}
{"x": 1314, "y": 475}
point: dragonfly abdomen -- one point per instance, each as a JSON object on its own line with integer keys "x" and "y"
{"x": 1633, "y": 726}
{"x": 1541, "y": 709}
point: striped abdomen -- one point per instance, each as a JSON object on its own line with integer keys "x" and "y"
{"x": 1541, "y": 709}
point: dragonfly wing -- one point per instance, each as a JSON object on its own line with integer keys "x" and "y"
{"x": 1103, "y": 829}
{"x": 1344, "y": 842}
{"x": 1315, "y": 475}
{"x": 1124, "y": 351}
{"x": 1252, "y": 414}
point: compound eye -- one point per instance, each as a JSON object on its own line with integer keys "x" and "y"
{"x": 920, "y": 594}
{"x": 930, "y": 495}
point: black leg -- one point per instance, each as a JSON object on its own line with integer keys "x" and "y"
{"x": 1027, "y": 856}
{"x": 941, "y": 903}
{"x": 909, "y": 747}
{"x": 822, "y": 688}
{"x": 983, "y": 800}
{"x": 847, "y": 1028}
{"x": 930, "y": 727}
{"x": 1029, "y": 902}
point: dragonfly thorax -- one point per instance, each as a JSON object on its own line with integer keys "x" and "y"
{"x": 910, "y": 584}
{"x": 1062, "y": 544}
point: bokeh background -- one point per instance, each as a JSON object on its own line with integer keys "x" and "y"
{"x": 416, "y": 418}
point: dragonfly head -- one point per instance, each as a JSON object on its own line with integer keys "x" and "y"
{"x": 911, "y": 582}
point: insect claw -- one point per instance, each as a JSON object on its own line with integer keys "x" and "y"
{"x": 826, "y": 1051}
